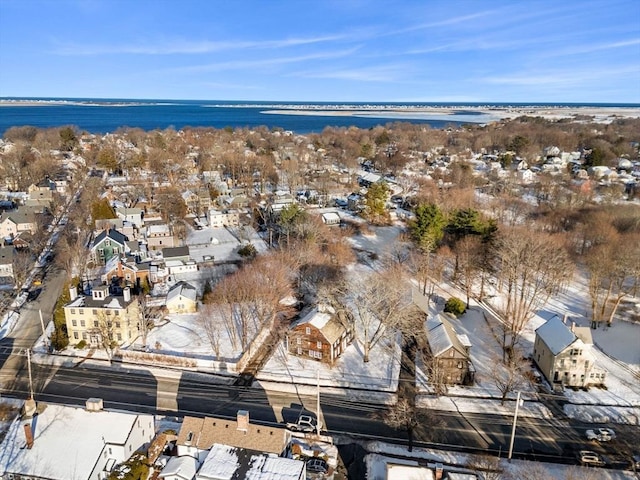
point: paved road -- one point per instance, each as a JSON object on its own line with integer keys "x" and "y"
{"x": 187, "y": 394}
{"x": 164, "y": 391}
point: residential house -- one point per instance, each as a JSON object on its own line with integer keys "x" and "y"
{"x": 331, "y": 218}
{"x": 159, "y": 236}
{"x": 176, "y": 253}
{"x": 132, "y": 215}
{"x": 223, "y": 218}
{"x": 319, "y": 335}
{"x": 21, "y": 220}
{"x": 448, "y": 352}
{"x": 564, "y": 354}
{"x": 64, "y": 442}
{"x": 180, "y": 468}
{"x": 41, "y": 194}
{"x": 107, "y": 244}
{"x": 6, "y": 265}
{"x": 177, "y": 260}
{"x": 182, "y": 298}
{"x": 127, "y": 270}
{"x": 90, "y": 317}
{"x": 198, "y": 435}
{"x": 228, "y": 462}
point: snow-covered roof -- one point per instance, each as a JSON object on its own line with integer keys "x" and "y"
{"x": 323, "y": 318}
{"x": 404, "y": 472}
{"x": 556, "y": 335}
{"x": 226, "y": 462}
{"x": 85, "y": 435}
{"x": 181, "y": 467}
{"x": 442, "y": 336}
{"x": 181, "y": 289}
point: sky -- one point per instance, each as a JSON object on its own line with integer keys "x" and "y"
{"x": 323, "y": 50}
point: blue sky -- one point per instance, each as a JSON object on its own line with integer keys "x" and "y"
{"x": 323, "y": 50}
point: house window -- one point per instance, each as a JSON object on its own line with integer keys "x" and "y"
{"x": 119, "y": 337}
{"x": 116, "y": 312}
{"x": 299, "y": 351}
{"x": 74, "y": 322}
{"x": 299, "y": 341}
{"x": 108, "y": 312}
{"x": 307, "y": 330}
{"x": 319, "y": 345}
{"x": 81, "y": 311}
{"x": 73, "y": 311}
{"x": 84, "y": 336}
{"x": 117, "y": 324}
{"x": 95, "y": 323}
{"x": 82, "y": 323}
{"x": 75, "y": 335}
{"x": 451, "y": 353}
{"x": 95, "y": 312}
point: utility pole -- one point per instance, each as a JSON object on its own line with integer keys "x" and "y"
{"x": 30, "y": 378}
{"x": 44, "y": 332}
{"x": 513, "y": 429}
{"x": 318, "y": 403}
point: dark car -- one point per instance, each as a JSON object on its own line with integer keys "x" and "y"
{"x": 33, "y": 294}
{"x": 317, "y": 465}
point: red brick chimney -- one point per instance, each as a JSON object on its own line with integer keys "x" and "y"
{"x": 439, "y": 471}
{"x": 28, "y": 435}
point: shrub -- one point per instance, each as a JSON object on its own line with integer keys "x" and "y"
{"x": 248, "y": 250}
{"x": 81, "y": 344}
{"x": 455, "y": 305}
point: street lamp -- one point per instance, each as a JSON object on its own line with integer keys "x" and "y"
{"x": 513, "y": 428}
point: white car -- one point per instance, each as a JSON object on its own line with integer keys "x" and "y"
{"x": 588, "y": 457}
{"x": 305, "y": 423}
{"x": 601, "y": 434}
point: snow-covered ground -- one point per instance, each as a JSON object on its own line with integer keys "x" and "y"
{"x": 221, "y": 243}
{"x": 381, "y": 455}
{"x": 349, "y": 371}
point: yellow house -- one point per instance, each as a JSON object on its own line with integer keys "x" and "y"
{"x": 92, "y": 317}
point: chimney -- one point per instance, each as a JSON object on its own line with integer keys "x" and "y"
{"x": 28, "y": 435}
{"x": 73, "y": 292}
{"x": 243, "y": 420}
{"x": 573, "y": 327}
{"x": 126, "y": 293}
{"x": 439, "y": 470}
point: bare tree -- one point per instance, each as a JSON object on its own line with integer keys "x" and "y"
{"x": 404, "y": 415}
{"x": 532, "y": 267}
{"x": 613, "y": 274}
{"x": 22, "y": 263}
{"x": 509, "y": 376}
{"x": 146, "y": 320}
{"x": 488, "y": 466}
{"x": 212, "y": 326}
{"x": 104, "y": 330}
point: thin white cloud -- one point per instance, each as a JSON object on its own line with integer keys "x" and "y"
{"x": 560, "y": 78}
{"x": 263, "y": 63}
{"x": 186, "y": 47}
{"x": 384, "y": 73}
{"x": 595, "y": 48}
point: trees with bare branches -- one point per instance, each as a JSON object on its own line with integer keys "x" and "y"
{"x": 532, "y": 266}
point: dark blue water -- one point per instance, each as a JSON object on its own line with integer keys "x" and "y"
{"x": 102, "y": 116}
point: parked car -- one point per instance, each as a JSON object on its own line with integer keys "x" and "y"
{"x": 588, "y": 457}
{"x": 317, "y": 465}
{"x": 305, "y": 423}
{"x": 601, "y": 434}
{"x": 33, "y": 294}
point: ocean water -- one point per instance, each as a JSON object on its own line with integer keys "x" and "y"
{"x": 107, "y": 115}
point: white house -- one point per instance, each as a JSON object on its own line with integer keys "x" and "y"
{"x": 563, "y": 354}
{"x": 62, "y": 442}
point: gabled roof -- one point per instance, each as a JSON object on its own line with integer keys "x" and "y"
{"x": 184, "y": 467}
{"x": 233, "y": 463}
{"x": 207, "y": 431}
{"x": 172, "y": 252}
{"x": 323, "y": 318}
{"x": 113, "y": 234}
{"x": 6, "y": 255}
{"x": 182, "y": 289}
{"x": 442, "y": 336}
{"x": 20, "y": 216}
{"x": 556, "y": 335}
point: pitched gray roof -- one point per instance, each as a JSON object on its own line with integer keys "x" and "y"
{"x": 442, "y": 336}
{"x": 556, "y": 335}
